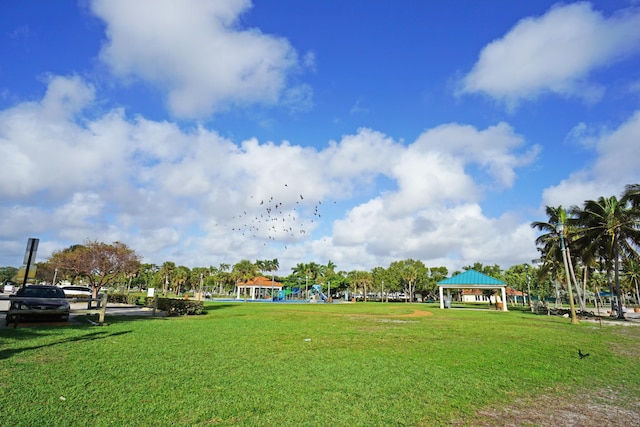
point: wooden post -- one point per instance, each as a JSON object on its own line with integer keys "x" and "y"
{"x": 103, "y": 309}
{"x": 155, "y": 304}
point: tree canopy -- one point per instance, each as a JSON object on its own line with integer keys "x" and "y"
{"x": 97, "y": 262}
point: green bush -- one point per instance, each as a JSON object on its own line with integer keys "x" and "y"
{"x": 133, "y": 299}
{"x": 118, "y": 298}
{"x": 180, "y": 307}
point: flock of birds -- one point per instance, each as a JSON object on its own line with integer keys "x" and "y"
{"x": 277, "y": 221}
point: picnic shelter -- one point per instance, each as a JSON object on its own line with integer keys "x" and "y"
{"x": 472, "y": 279}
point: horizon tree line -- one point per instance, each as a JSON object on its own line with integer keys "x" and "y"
{"x": 602, "y": 238}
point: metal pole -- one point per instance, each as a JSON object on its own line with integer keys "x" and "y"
{"x": 30, "y": 248}
{"x": 529, "y": 288}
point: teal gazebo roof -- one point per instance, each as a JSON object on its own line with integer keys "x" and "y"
{"x": 471, "y": 278}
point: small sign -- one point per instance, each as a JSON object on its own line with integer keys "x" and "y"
{"x": 150, "y": 292}
{"x": 30, "y": 253}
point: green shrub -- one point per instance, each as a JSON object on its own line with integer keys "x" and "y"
{"x": 133, "y": 299}
{"x": 118, "y": 298}
{"x": 180, "y": 307}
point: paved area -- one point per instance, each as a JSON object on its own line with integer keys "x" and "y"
{"x": 112, "y": 310}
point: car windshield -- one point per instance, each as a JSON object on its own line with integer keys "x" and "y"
{"x": 42, "y": 292}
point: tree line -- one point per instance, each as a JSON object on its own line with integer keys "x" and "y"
{"x": 601, "y": 240}
{"x": 599, "y": 243}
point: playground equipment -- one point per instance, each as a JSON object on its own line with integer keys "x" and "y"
{"x": 316, "y": 291}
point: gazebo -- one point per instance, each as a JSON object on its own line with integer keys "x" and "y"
{"x": 258, "y": 287}
{"x": 472, "y": 279}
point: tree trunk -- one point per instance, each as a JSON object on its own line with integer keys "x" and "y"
{"x": 616, "y": 274}
{"x": 611, "y": 293}
{"x": 574, "y": 280}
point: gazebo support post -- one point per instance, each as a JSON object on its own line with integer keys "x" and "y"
{"x": 504, "y": 298}
{"x": 441, "y": 297}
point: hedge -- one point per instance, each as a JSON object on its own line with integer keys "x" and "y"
{"x": 179, "y": 307}
{"x": 172, "y": 306}
{"x": 124, "y": 299}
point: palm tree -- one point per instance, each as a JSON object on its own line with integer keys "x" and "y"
{"x": 243, "y": 271}
{"x": 362, "y": 279}
{"x": 631, "y": 195}
{"x": 632, "y": 277}
{"x": 550, "y": 244}
{"x": 609, "y": 226}
{"x": 181, "y": 277}
{"x": 269, "y": 265}
{"x": 166, "y": 273}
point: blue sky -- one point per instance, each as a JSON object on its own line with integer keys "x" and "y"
{"x": 206, "y": 132}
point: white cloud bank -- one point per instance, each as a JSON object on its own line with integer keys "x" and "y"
{"x": 616, "y": 164}
{"x": 554, "y": 53}
{"x": 196, "y": 198}
{"x": 197, "y": 52}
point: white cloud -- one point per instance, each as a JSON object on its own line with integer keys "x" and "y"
{"x": 433, "y": 211}
{"x": 194, "y": 197}
{"x": 615, "y": 166}
{"x": 434, "y": 169}
{"x": 47, "y": 149}
{"x": 554, "y": 53}
{"x": 198, "y": 52}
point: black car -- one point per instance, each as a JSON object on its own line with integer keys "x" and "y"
{"x": 38, "y": 302}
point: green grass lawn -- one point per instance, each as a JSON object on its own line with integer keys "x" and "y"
{"x": 279, "y": 365}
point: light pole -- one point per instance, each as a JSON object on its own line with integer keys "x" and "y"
{"x": 560, "y": 230}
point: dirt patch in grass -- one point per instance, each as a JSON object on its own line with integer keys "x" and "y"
{"x": 416, "y": 313}
{"x": 594, "y": 408}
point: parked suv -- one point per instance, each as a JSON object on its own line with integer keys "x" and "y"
{"x": 38, "y": 302}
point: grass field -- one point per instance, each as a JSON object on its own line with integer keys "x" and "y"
{"x": 320, "y": 365}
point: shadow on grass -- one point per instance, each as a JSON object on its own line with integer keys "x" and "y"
{"x": 215, "y": 307}
{"x": 92, "y": 319}
{"x": 26, "y": 334}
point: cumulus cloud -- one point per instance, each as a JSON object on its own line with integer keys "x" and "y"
{"x": 615, "y": 165}
{"x": 554, "y": 53}
{"x": 193, "y": 196}
{"x": 199, "y": 53}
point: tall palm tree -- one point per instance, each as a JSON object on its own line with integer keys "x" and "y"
{"x": 610, "y": 227}
{"x": 549, "y": 243}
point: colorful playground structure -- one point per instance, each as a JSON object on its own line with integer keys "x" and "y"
{"x": 316, "y": 292}
{"x": 296, "y": 294}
